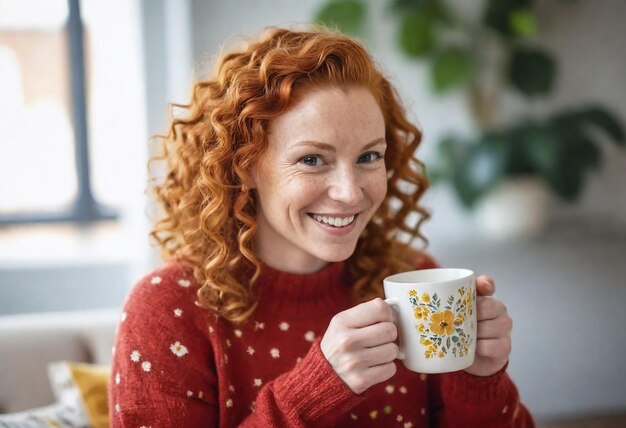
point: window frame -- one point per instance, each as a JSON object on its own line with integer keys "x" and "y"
{"x": 85, "y": 208}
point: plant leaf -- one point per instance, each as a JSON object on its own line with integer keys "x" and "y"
{"x": 451, "y": 67}
{"x": 601, "y": 118}
{"x": 481, "y": 169}
{"x": 532, "y": 71}
{"x": 498, "y": 14}
{"x": 541, "y": 146}
{"x": 417, "y": 33}
{"x": 523, "y": 22}
{"x": 347, "y": 15}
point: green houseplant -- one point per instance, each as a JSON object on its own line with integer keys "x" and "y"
{"x": 485, "y": 58}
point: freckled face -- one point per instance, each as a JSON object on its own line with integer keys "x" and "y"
{"x": 321, "y": 179}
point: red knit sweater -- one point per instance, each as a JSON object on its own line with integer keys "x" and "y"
{"x": 176, "y": 365}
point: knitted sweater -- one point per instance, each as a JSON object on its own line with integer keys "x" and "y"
{"x": 177, "y": 365}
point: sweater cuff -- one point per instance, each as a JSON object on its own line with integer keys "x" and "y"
{"x": 312, "y": 390}
{"x": 472, "y": 389}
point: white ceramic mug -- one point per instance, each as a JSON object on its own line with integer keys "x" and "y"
{"x": 437, "y": 318}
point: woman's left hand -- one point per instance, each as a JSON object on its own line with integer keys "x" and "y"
{"x": 493, "y": 344}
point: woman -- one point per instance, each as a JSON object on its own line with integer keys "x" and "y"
{"x": 287, "y": 184}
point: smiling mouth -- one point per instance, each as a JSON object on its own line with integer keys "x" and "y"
{"x": 334, "y": 221}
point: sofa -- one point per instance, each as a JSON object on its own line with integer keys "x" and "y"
{"x": 30, "y": 342}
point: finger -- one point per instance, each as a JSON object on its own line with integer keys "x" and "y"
{"x": 381, "y": 372}
{"x": 361, "y": 381}
{"x": 366, "y": 314}
{"x": 485, "y": 286}
{"x": 488, "y": 308}
{"x": 495, "y": 328}
{"x": 377, "y": 355}
{"x": 493, "y": 348}
{"x": 376, "y": 334}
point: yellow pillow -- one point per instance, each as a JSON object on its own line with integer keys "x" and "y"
{"x": 91, "y": 381}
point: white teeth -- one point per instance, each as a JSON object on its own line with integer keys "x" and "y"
{"x": 334, "y": 221}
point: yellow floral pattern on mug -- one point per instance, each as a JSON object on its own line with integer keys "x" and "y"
{"x": 440, "y": 325}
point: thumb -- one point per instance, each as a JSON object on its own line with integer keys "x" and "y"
{"x": 485, "y": 286}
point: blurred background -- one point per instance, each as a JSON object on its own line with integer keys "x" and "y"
{"x": 523, "y": 109}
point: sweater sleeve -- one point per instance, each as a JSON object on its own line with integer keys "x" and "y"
{"x": 160, "y": 372}
{"x": 309, "y": 395}
{"x": 461, "y": 399}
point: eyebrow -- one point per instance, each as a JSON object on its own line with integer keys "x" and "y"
{"x": 331, "y": 148}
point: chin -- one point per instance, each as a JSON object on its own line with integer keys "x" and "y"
{"x": 336, "y": 254}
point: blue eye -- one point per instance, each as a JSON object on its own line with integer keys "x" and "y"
{"x": 312, "y": 160}
{"x": 370, "y": 157}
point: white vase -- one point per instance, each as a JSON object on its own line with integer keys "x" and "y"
{"x": 516, "y": 208}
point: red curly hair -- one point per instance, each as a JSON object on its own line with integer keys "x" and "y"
{"x": 209, "y": 212}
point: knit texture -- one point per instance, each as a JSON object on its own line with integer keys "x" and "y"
{"x": 177, "y": 365}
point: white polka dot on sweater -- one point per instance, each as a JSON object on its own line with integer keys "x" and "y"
{"x": 283, "y": 326}
{"x": 146, "y": 366}
{"x": 117, "y": 378}
{"x": 184, "y": 283}
{"x": 229, "y": 403}
{"x": 134, "y": 356}
{"x": 250, "y": 350}
{"x": 118, "y": 408}
{"x": 390, "y": 389}
{"x": 238, "y": 333}
{"x": 178, "y": 312}
{"x": 275, "y": 353}
{"x": 178, "y": 349}
{"x": 309, "y": 336}
{"x": 257, "y": 382}
{"x": 155, "y": 280}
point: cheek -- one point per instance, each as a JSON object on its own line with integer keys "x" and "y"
{"x": 303, "y": 192}
{"x": 377, "y": 186}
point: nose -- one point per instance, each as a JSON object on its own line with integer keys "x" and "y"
{"x": 345, "y": 186}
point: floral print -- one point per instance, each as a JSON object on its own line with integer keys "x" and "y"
{"x": 178, "y": 349}
{"x": 439, "y": 324}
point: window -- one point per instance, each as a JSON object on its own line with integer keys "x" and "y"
{"x": 64, "y": 111}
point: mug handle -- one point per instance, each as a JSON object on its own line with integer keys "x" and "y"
{"x": 394, "y": 302}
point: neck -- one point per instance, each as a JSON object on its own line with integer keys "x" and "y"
{"x": 302, "y": 264}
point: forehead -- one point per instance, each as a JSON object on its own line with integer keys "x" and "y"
{"x": 330, "y": 115}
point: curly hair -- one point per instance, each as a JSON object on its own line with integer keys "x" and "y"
{"x": 208, "y": 219}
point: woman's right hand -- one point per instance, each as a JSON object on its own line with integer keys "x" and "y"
{"x": 359, "y": 345}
